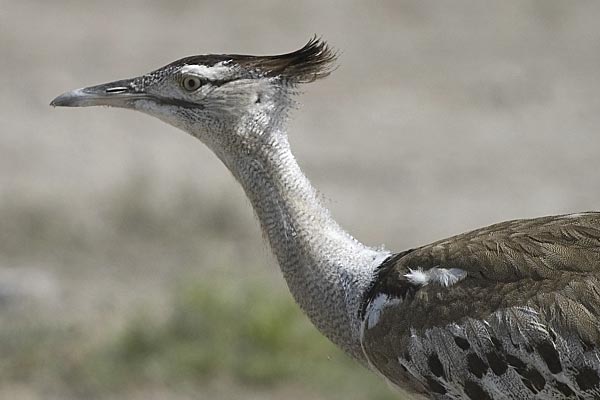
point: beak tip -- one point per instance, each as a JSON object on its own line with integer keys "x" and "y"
{"x": 68, "y": 99}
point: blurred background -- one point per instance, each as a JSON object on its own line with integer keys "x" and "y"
{"x": 131, "y": 266}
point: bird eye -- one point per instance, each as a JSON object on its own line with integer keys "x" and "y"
{"x": 191, "y": 83}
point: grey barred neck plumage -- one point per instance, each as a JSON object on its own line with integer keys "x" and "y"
{"x": 510, "y": 311}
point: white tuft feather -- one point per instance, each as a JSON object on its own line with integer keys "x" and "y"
{"x": 417, "y": 277}
{"x": 442, "y": 276}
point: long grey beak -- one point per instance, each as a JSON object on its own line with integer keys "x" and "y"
{"x": 114, "y": 94}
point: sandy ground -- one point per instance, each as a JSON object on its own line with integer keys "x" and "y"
{"x": 442, "y": 117}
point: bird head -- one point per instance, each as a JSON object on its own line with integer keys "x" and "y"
{"x": 223, "y": 99}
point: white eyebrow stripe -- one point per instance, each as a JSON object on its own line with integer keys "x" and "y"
{"x": 216, "y": 72}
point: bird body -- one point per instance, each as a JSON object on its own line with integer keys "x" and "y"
{"x": 504, "y": 312}
{"x": 521, "y": 321}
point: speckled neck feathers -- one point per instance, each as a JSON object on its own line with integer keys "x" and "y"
{"x": 326, "y": 269}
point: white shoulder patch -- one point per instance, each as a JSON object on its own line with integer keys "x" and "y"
{"x": 376, "y": 307}
{"x": 441, "y": 276}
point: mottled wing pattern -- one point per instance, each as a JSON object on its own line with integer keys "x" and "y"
{"x": 524, "y": 323}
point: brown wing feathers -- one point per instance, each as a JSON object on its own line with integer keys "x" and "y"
{"x": 510, "y": 251}
{"x": 523, "y": 323}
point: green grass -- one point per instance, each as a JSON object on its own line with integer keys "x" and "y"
{"x": 243, "y": 333}
{"x": 222, "y": 325}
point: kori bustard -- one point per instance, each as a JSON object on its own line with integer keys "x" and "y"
{"x": 509, "y": 311}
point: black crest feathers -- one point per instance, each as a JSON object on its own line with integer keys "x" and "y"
{"x": 314, "y": 61}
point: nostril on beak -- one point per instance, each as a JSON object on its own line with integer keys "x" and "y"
{"x": 115, "y": 90}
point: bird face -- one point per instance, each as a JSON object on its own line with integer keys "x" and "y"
{"x": 221, "y": 99}
{"x": 180, "y": 93}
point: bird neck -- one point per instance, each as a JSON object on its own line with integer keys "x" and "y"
{"x": 326, "y": 269}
